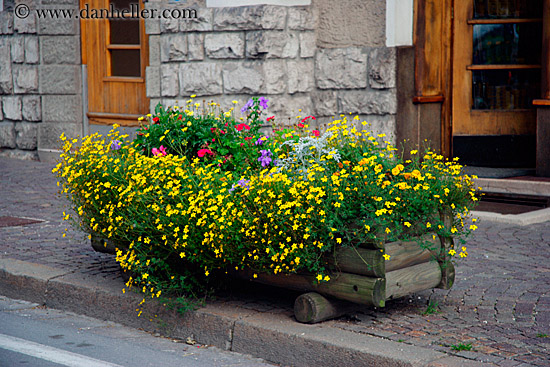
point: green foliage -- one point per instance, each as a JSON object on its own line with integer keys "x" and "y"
{"x": 431, "y": 309}
{"x": 460, "y": 347}
{"x": 198, "y": 195}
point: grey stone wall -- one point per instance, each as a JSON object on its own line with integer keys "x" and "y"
{"x": 307, "y": 60}
{"x": 40, "y": 80}
{"x": 325, "y": 59}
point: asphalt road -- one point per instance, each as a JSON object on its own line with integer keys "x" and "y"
{"x": 34, "y": 336}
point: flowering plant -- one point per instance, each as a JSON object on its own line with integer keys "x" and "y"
{"x": 216, "y": 195}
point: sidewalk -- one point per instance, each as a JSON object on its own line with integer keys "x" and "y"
{"x": 500, "y": 303}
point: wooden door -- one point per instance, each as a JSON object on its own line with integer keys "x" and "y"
{"x": 115, "y": 51}
{"x": 496, "y": 67}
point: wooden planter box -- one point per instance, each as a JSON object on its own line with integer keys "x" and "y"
{"x": 363, "y": 276}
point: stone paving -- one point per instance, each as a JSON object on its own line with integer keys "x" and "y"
{"x": 500, "y": 303}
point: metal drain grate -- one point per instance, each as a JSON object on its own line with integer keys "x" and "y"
{"x": 7, "y": 221}
{"x": 511, "y": 203}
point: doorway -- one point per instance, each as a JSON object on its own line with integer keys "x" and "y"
{"x": 115, "y": 52}
{"x": 496, "y": 75}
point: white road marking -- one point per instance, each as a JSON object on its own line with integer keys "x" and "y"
{"x": 50, "y": 354}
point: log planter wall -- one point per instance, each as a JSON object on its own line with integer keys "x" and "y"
{"x": 361, "y": 274}
{"x": 365, "y": 277}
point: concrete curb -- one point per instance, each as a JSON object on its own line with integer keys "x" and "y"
{"x": 524, "y": 219}
{"x": 277, "y": 338}
{"x": 505, "y": 186}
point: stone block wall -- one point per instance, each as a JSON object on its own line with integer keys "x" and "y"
{"x": 40, "y": 80}
{"x": 325, "y": 59}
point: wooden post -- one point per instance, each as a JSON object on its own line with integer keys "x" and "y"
{"x": 444, "y": 258}
{"x": 312, "y": 307}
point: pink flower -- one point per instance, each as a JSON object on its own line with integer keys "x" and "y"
{"x": 240, "y": 127}
{"x": 160, "y": 151}
{"x": 316, "y": 132}
{"x": 202, "y": 152}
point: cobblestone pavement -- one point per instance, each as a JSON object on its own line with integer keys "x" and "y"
{"x": 500, "y": 303}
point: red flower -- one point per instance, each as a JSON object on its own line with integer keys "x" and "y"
{"x": 213, "y": 140}
{"x": 301, "y": 125}
{"x": 240, "y": 127}
{"x": 316, "y": 132}
{"x": 179, "y": 117}
{"x": 202, "y": 152}
{"x": 305, "y": 118}
{"x": 248, "y": 138}
{"x": 270, "y": 118}
{"x": 213, "y": 129}
{"x": 155, "y": 120}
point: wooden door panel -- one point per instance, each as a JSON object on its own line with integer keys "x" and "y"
{"x": 112, "y": 99}
{"x": 465, "y": 119}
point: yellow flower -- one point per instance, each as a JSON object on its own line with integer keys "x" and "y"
{"x": 386, "y": 257}
{"x": 319, "y": 277}
{"x": 145, "y": 276}
{"x": 407, "y": 224}
{"x": 452, "y": 252}
{"x": 327, "y": 278}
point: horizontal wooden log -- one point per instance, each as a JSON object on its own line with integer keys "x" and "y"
{"x": 408, "y": 253}
{"x": 312, "y": 307}
{"x": 349, "y": 287}
{"x": 359, "y": 261}
{"x": 413, "y": 279}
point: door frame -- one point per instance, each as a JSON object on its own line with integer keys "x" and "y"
{"x": 110, "y": 118}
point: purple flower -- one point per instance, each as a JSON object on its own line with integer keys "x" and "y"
{"x": 242, "y": 183}
{"x": 261, "y": 140}
{"x": 265, "y": 159}
{"x": 263, "y": 102}
{"x": 116, "y": 144}
{"x": 248, "y": 104}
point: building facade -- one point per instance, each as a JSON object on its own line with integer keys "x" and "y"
{"x": 462, "y": 76}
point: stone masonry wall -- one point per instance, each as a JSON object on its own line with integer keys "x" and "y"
{"x": 40, "y": 80}
{"x": 324, "y": 59}
{"x": 327, "y": 59}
